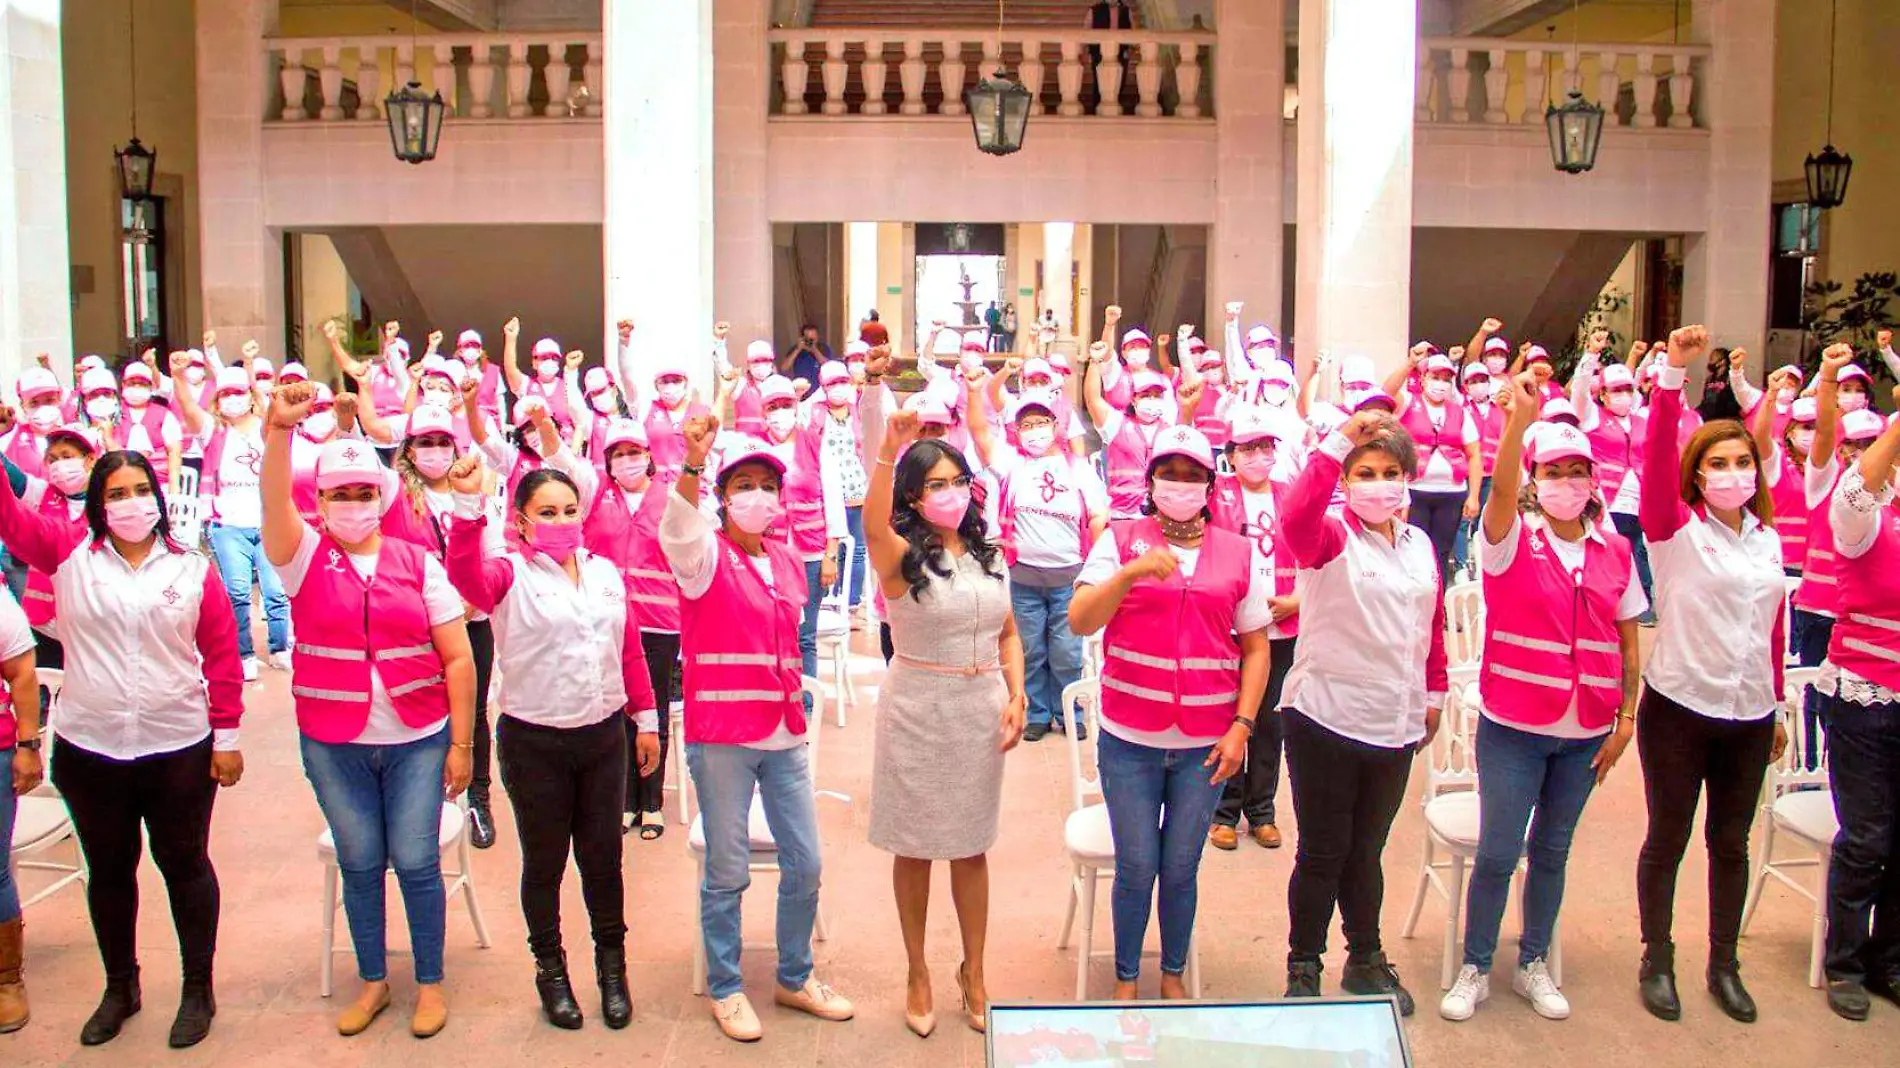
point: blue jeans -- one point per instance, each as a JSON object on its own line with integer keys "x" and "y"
{"x": 725, "y": 777}
{"x": 1809, "y": 634}
{"x": 1052, "y": 654}
{"x": 808, "y": 627}
{"x": 1160, "y": 804}
{"x": 1632, "y": 528}
{"x": 384, "y": 807}
{"x": 854, "y": 522}
{"x": 9, "y": 893}
{"x": 239, "y": 554}
{"x": 1461, "y": 551}
{"x": 1520, "y": 773}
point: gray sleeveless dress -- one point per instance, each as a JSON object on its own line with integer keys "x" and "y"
{"x": 937, "y": 776}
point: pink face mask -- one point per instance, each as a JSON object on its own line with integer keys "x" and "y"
{"x": 753, "y": 510}
{"x": 1728, "y": 489}
{"x": 1852, "y": 402}
{"x": 946, "y": 507}
{"x": 351, "y": 522}
{"x": 557, "y": 540}
{"x": 1179, "y": 501}
{"x": 434, "y": 461}
{"x": 1620, "y": 402}
{"x": 629, "y": 471}
{"x": 671, "y": 393}
{"x": 1563, "y": 498}
{"x": 132, "y": 519}
{"x": 68, "y": 476}
{"x": 547, "y": 369}
{"x": 1137, "y": 357}
{"x": 1376, "y": 502}
{"x": 1254, "y": 467}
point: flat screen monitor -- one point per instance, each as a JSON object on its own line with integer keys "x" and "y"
{"x": 1337, "y": 1032}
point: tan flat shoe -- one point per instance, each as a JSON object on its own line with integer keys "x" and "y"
{"x": 356, "y": 1019}
{"x": 1221, "y": 836}
{"x": 1267, "y": 835}
{"x": 429, "y": 1019}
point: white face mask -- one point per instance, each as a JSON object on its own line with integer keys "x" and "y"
{"x": 547, "y": 369}
{"x": 603, "y": 403}
{"x": 195, "y": 375}
{"x": 44, "y": 418}
{"x": 780, "y": 421}
{"x": 1038, "y": 442}
{"x": 1276, "y": 395}
{"x": 759, "y": 371}
{"x": 1620, "y": 403}
{"x": 1496, "y": 364}
{"x": 441, "y": 398}
{"x": 1479, "y": 391}
{"x": 1437, "y": 390}
{"x": 320, "y": 424}
{"x": 102, "y": 407}
{"x": 1150, "y": 409}
{"x": 137, "y": 396}
{"x": 1137, "y": 357}
{"x": 671, "y": 393}
{"x": 840, "y": 394}
{"x": 234, "y": 405}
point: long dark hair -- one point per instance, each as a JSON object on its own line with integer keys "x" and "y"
{"x": 913, "y": 470}
{"x": 102, "y": 469}
{"x": 532, "y": 482}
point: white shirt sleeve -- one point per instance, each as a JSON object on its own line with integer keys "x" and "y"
{"x": 580, "y": 471}
{"x": 1470, "y": 436}
{"x": 16, "y": 635}
{"x": 499, "y": 452}
{"x": 1496, "y": 559}
{"x": 1820, "y": 480}
{"x": 1855, "y": 514}
{"x": 438, "y": 594}
{"x": 1892, "y": 360}
{"x": 1112, "y": 426}
{"x": 1092, "y": 489}
{"x": 1634, "y": 602}
{"x": 1253, "y": 613}
{"x": 687, "y": 539}
{"x": 1746, "y": 393}
{"x": 170, "y": 431}
{"x": 1104, "y": 560}
{"x": 293, "y": 573}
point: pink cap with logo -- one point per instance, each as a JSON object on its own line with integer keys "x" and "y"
{"x": 1854, "y": 370}
{"x": 759, "y": 352}
{"x": 37, "y": 382}
{"x": 1249, "y": 424}
{"x": 1558, "y": 441}
{"x": 1863, "y": 425}
{"x": 625, "y": 432}
{"x": 595, "y": 381}
{"x": 97, "y": 381}
{"x": 294, "y": 372}
{"x": 778, "y": 387}
{"x": 929, "y": 409}
{"x": 1496, "y": 344}
{"x": 547, "y": 347}
{"x": 1260, "y": 336}
{"x": 348, "y": 462}
{"x": 429, "y": 419}
{"x": 232, "y": 380}
{"x": 1136, "y": 339}
{"x": 1559, "y": 410}
{"x": 1473, "y": 370}
{"x": 1145, "y": 381}
{"x": 1182, "y": 441}
{"x": 1617, "y": 376}
{"x": 468, "y": 339}
{"x": 1804, "y": 410}
{"x": 1438, "y": 363}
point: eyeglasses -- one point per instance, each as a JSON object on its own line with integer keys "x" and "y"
{"x": 1264, "y": 445}
{"x": 1035, "y": 424}
{"x": 937, "y": 485}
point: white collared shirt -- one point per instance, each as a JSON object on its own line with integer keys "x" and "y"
{"x": 1717, "y": 598}
{"x": 135, "y": 681}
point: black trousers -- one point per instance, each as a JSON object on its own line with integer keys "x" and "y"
{"x": 1863, "y": 881}
{"x": 1345, "y": 796}
{"x": 568, "y": 786}
{"x": 1250, "y": 793}
{"x": 171, "y": 795}
{"x": 645, "y": 792}
{"x": 1438, "y": 515}
{"x": 481, "y": 643}
{"x": 1682, "y": 751}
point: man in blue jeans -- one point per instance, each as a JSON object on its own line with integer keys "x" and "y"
{"x": 239, "y": 557}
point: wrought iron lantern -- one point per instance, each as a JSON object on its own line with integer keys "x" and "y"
{"x": 1575, "y": 130}
{"x": 136, "y": 166}
{"x": 999, "y": 113}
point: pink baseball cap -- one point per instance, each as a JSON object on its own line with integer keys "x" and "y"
{"x": 833, "y": 372}
{"x": 1474, "y": 370}
{"x": 468, "y": 339}
{"x": 547, "y": 347}
{"x": 1182, "y": 441}
{"x": 348, "y": 462}
{"x": 263, "y": 370}
{"x": 857, "y": 349}
{"x": 231, "y": 380}
{"x": 1250, "y": 424}
{"x": 930, "y": 410}
{"x": 759, "y": 352}
{"x": 1356, "y": 371}
{"x": 1617, "y": 376}
{"x": 1209, "y": 359}
{"x": 595, "y": 381}
{"x": 196, "y": 357}
{"x": 1557, "y": 409}
{"x": 1853, "y": 370}
{"x": 322, "y": 400}
{"x": 526, "y": 409}
{"x": 1438, "y": 362}
{"x": 1037, "y": 367}
{"x": 777, "y": 388}
{"x": 1143, "y": 381}
{"x": 1279, "y": 372}
{"x": 436, "y": 365}
{"x": 1261, "y": 336}
{"x": 1535, "y": 355}
{"x": 429, "y": 419}
{"x": 85, "y": 439}
{"x": 294, "y": 372}
{"x": 37, "y": 382}
{"x": 97, "y": 381}
{"x": 625, "y": 432}
{"x": 88, "y": 362}
{"x": 1804, "y": 410}
{"x": 1059, "y": 362}
{"x": 1194, "y": 346}
{"x": 1558, "y": 441}
{"x": 971, "y": 344}
{"x": 1863, "y": 425}
{"x": 1022, "y": 405}
{"x": 136, "y": 371}
{"x": 1496, "y": 344}
{"x": 748, "y": 449}
{"x": 1136, "y": 339}
{"x": 1375, "y": 397}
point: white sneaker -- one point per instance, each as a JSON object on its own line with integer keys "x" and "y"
{"x": 1533, "y": 983}
{"x": 1467, "y": 992}
{"x": 250, "y": 669}
{"x": 280, "y": 661}
{"x": 736, "y": 1018}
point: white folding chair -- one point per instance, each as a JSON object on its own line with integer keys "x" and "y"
{"x": 1798, "y": 810}
{"x": 1464, "y": 625}
{"x": 1092, "y": 656}
{"x": 183, "y": 509}
{"x": 41, "y": 821}
{"x": 764, "y": 850}
{"x": 452, "y": 837}
{"x": 682, "y": 784}
{"x": 834, "y": 635}
{"x": 1088, "y": 840}
{"x": 1451, "y": 827}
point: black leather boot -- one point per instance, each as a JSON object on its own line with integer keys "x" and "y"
{"x": 1657, "y": 982}
{"x": 1725, "y": 982}
{"x": 610, "y": 969}
{"x": 1373, "y": 974}
{"x": 557, "y": 994}
{"x": 1302, "y": 978}
{"x": 196, "y": 1006}
{"x": 119, "y": 1004}
{"x": 481, "y": 823}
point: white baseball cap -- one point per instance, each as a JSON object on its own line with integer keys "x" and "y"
{"x": 37, "y": 381}
{"x": 1182, "y": 441}
{"x": 1558, "y": 441}
{"x": 429, "y": 419}
{"x": 625, "y": 432}
{"x": 1248, "y": 424}
{"x": 348, "y": 462}
{"x": 1863, "y": 425}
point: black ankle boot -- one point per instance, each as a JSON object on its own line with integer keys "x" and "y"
{"x": 196, "y": 1006}
{"x": 1657, "y": 983}
{"x": 1725, "y": 982}
{"x": 1302, "y": 978}
{"x": 1373, "y": 974}
{"x": 481, "y": 823}
{"x": 610, "y": 969}
{"x": 119, "y": 1004}
{"x": 557, "y": 994}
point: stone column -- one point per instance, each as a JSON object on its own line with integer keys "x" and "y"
{"x": 36, "y": 313}
{"x": 1058, "y": 272}
{"x": 241, "y": 259}
{"x": 1245, "y": 249}
{"x": 1725, "y": 271}
{"x": 1358, "y": 60}
{"x": 656, "y": 130}
{"x": 740, "y": 90}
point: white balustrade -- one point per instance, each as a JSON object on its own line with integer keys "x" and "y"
{"x": 509, "y": 65}
{"x": 1494, "y": 81}
{"x": 1097, "y": 72}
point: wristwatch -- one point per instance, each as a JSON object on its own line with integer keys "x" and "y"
{"x": 695, "y": 470}
{"x": 31, "y": 745}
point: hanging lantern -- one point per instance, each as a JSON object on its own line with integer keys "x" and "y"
{"x": 1827, "y": 177}
{"x": 136, "y": 164}
{"x": 1575, "y": 130}
{"x": 415, "y": 122}
{"x": 999, "y": 113}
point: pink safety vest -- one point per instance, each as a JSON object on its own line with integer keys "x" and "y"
{"x": 1170, "y": 658}
{"x": 1127, "y": 460}
{"x": 1791, "y": 514}
{"x": 597, "y": 444}
{"x": 554, "y": 393}
{"x": 411, "y": 520}
{"x": 1819, "y": 592}
{"x": 739, "y": 641}
{"x": 345, "y": 626}
{"x": 1550, "y": 633}
{"x": 1447, "y": 440}
{"x": 1616, "y": 451}
{"x": 384, "y": 389}
{"x": 1867, "y": 636}
{"x": 38, "y": 603}
{"x": 632, "y": 541}
{"x": 27, "y": 450}
{"x": 1048, "y": 491}
{"x": 1228, "y": 504}
{"x": 748, "y": 408}
{"x": 1490, "y": 431}
{"x": 804, "y": 496}
{"x": 152, "y": 418}
{"x": 488, "y": 397}
{"x": 666, "y": 441}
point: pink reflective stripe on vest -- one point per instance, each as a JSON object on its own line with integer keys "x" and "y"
{"x": 1490, "y": 431}
{"x": 1228, "y": 503}
{"x": 1550, "y": 632}
{"x": 1447, "y": 440}
{"x": 1169, "y": 654}
{"x": 803, "y": 494}
{"x": 1866, "y": 637}
{"x": 38, "y": 603}
{"x": 1128, "y": 468}
{"x": 1616, "y": 451}
{"x": 740, "y": 644}
{"x": 26, "y": 450}
{"x": 632, "y": 542}
{"x": 1818, "y": 592}
{"x": 1791, "y": 515}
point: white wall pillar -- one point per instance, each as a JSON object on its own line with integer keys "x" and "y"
{"x": 738, "y": 93}
{"x": 1245, "y": 249}
{"x": 241, "y": 260}
{"x": 860, "y": 272}
{"x": 1058, "y": 268}
{"x": 657, "y": 126}
{"x": 1358, "y": 59}
{"x": 1725, "y": 270}
{"x": 36, "y": 313}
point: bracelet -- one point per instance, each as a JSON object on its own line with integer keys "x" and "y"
{"x": 1631, "y": 716}
{"x": 461, "y": 745}
{"x": 695, "y": 470}
{"x": 1245, "y": 722}
{"x": 882, "y": 462}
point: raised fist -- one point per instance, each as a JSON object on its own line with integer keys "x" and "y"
{"x": 329, "y": 329}
{"x": 512, "y": 328}
{"x": 1113, "y": 313}
{"x": 574, "y": 360}
{"x": 465, "y": 474}
{"x": 210, "y": 339}
{"x": 1491, "y": 326}
{"x": 699, "y": 432}
{"x": 290, "y": 404}
{"x": 251, "y": 350}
